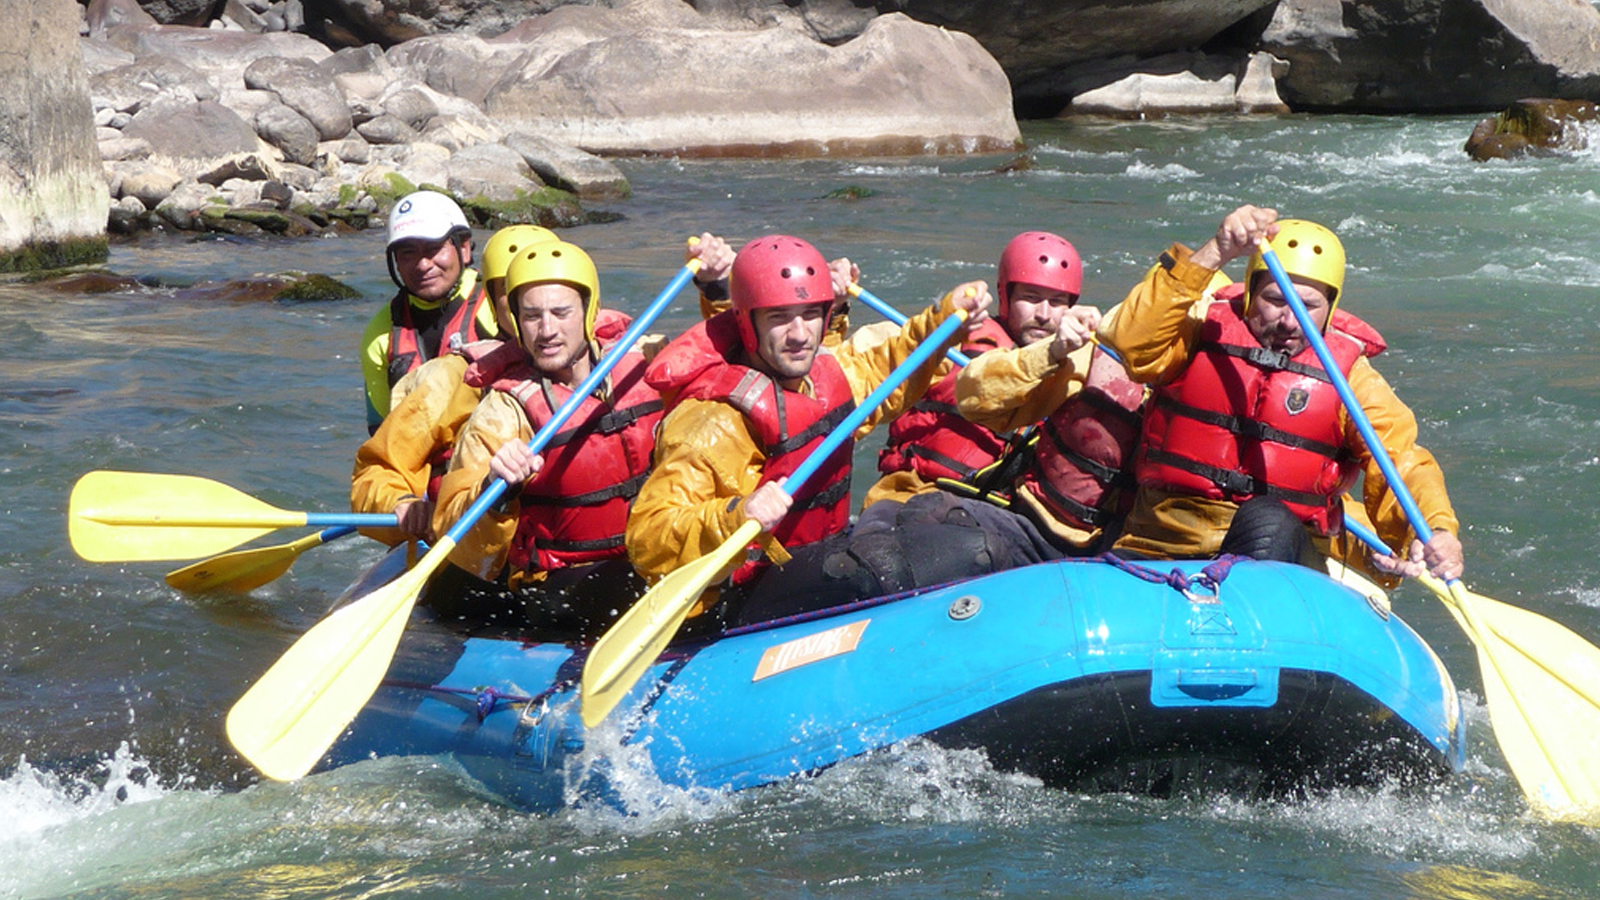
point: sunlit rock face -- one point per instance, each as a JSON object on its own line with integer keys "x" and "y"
{"x": 53, "y": 197}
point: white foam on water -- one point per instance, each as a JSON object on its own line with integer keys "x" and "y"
{"x": 1477, "y": 816}
{"x": 613, "y": 785}
{"x": 1169, "y": 172}
{"x": 36, "y": 800}
{"x": 47, "y": 816}
{"x": 917, "y": 781}
{"x": 907, "y": 171}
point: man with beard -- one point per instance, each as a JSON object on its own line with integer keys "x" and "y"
{"x": 1246, "y": 447}
{"x": 555, "y": 546}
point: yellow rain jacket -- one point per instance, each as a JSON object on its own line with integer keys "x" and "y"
{"x": 1008, "y": 389}
{"x": 1156, "y": 329}
{"x": 707, "y": 460}
{"x": 396, "y": 463}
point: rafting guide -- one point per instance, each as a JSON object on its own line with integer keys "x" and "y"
{"x": 439, "y": 305}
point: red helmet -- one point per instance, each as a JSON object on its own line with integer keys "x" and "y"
{"x": 776, "y": 270}
{"x": 1042, "y": 258}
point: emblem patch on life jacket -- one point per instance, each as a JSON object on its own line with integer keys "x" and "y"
{"x": 1297, "y": 401}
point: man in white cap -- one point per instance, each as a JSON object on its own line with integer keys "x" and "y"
{"x": 439, "y": 306}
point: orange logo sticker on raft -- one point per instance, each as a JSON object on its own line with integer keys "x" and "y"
{"x": 799, "y": 652}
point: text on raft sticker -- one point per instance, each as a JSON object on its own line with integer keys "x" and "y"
{"x": 801, "y": 651}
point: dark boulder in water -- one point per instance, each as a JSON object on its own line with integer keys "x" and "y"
{"x": 1533, "y": 127}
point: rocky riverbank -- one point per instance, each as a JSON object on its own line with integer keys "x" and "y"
{"x": 274, "y": 116}
{"x": 249, "y": 131}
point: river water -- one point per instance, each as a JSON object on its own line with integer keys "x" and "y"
{"x": 115, "y": 780}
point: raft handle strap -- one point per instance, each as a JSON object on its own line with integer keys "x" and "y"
{"x": 1209, "y": 578}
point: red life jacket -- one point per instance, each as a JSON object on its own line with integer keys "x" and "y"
{"x": 575, "y": 509}
{"x": 405, "y": 349}
{"x": 1243, "y": 421}
{"x": 931, "y": 438}
{"x": 1080, "y": 469}
{"x": 787, "y": 424}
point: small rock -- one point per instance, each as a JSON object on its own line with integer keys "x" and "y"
{"x": 124, "y": 148}
{"x": 150, "y": 183}
{"x": 411, "y": 106}
{"x": 183, "y": 207}
{"x": 1534, "y": 126}
{"x": 289, "y": 131}
{"x": 387, "y": 129}
{"x": 569, "y": 168}
{"x": 277, "y": 193}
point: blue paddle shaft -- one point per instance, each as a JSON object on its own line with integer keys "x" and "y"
{"x": 1366, "y": 536}
{"x": 339, "y": 531}
{"x": 899, "y": 318}
{"x": 842, "y": 432}
{"x": 352, "y": 521}
{"x": 1342, "y": 385}
{"x": 497, "y": 488}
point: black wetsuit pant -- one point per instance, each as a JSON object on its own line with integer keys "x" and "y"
{"x": 934, "y": 538}
{"x": 571, "y": 603}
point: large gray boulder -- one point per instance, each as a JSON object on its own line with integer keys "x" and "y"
{"x": 1041, "y": 44}
{"x": 53, "y": 196}
{"x": 901, "y": 87}
{"x": 130, "y": 86}
{"x": 222, "y": 56}
{"x": 1434, "y": 55}
{"x": 569, "y": 168}
{"x": 304, "y": 88}
{"x": 390, "y": 22}
{"x": 294, "y": 135}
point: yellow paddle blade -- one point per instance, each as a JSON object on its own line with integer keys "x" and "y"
{"x": 129, "y": 516}
{"x": 243, "y": 571}
{"x": 630, "y": 646}
{"x": 1542, "y": 685}
{"x": 293, "y": 714}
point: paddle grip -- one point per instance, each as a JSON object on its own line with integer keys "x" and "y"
{"x": 899, "y": 318}
{"x": 1342, "y": 385}
{"x": 842, "y": 432}
{"x": 497, "y": 488}
{"x": 351, "y": 521}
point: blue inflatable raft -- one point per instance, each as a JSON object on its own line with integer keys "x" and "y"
{"x": 1280, "y": 681}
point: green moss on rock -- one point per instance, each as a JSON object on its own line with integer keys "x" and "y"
{"x": 850, "y": 192}
{"x": 316, "y": 287}
{"x": 55, "y": 254}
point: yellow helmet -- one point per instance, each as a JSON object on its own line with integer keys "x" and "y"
{"x": 1308, "y": 250}
{"x": 556, "y": 260}
{"x": 504, "y": 244}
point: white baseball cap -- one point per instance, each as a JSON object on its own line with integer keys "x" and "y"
{"x": 425, "y": 215}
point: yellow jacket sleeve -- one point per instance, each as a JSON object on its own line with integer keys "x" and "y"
{"x": 482, "y": 550}
{"x": 1155, "y": 328}
{"x": 1396, "y": 428}
{"x": 396, "y": 462}
{"x": 706, "y": 461}
{"x": 375, "y": 366}
{"x": 1010, "y": 388}
{"x": 866, "y": 364}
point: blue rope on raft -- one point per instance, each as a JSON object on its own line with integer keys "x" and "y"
{"x": 485, "y": 698}
{"x": 1210, "y": 578}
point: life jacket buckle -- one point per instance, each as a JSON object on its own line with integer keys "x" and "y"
{"x": 1276, "y": 360}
